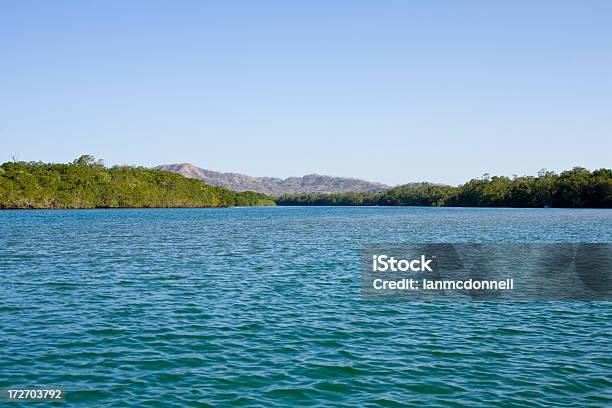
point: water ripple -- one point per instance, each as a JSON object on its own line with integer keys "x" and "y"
{"x": 261, "y": 307}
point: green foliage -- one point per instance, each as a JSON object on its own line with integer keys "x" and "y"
{"x": 86, "y": 183}
{"x": 576, "y": 188}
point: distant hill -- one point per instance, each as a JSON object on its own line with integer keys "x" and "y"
{"x": 309, "y": 184}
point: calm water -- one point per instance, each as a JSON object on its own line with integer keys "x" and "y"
{"x": 261, "y": 306}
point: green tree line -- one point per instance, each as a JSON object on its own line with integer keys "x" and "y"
{"x": 87, "y": 183}
{"x": 575, "y": 188}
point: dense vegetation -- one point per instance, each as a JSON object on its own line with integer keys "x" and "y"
{"x": 576, "y": 188}
{"x": 86, "y": 183}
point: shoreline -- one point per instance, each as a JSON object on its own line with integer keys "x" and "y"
{"x": 301, "y": 206}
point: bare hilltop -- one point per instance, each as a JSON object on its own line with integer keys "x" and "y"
{"x": 272, "y": 186}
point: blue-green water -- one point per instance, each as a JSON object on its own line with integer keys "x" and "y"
{"x": 261, "y": 306}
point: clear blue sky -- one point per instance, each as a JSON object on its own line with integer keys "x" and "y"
{"x": 390, "y": 91}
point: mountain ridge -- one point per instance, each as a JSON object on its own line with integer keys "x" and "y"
{"x": 274, "y": 186}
